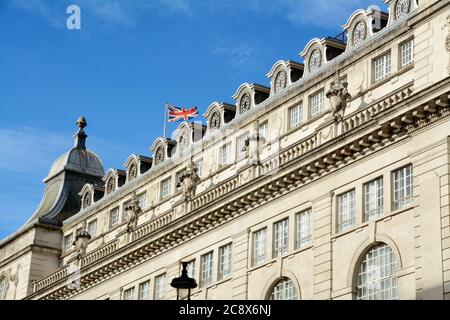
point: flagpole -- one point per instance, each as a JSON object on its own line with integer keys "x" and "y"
{"x": 165, "y": 120}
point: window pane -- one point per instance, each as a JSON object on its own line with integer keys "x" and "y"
{"x": 382, "y": 67}
{"x": 284, "y": 290}
{"x": 144, "y": 290}
{"x": 207, "y": 267}
{"x": 346, "y": 211}
{"x": 142, "y": 201}
{"x": 160, "y": 287}
{"x": 264, "y": 130}
{"x": 128, "y": 294}
{"x": 317, "y": 104}
{"x": 68, "y": 240}
{"x": 281, "y": 230}
{"x": 225, "y": 154}
{"x": 259, "y": 247}
{"x": 373, "y": 200}
{"x": 191, "y": 269}
{"x": 241, "y": 148}
{"x": 92, "y": 228}
{"x": 225, "y": 261}
{"x": 403, "y": 187}
{"x": 407, "y": 53}
{"x": 304, "y": 227}
{"x": 377, "y": 278}
{"x": 114, "y": 217}
{"x": 166, "y": 188}
{"x": 295, "y": 116}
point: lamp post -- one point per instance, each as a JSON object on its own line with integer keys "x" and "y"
{"x": 184, "y": 284}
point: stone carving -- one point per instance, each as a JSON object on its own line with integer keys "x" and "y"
{"x": 81, "y": 241}
{"x": 87, "y": 200}
{"x": 132, "y": 211}
{"x": 111, "y": 185}
{"x": 132, "y": 172}
{"x": 339, "y": 97}
{"x": 189, "y": 181}
{"x": 253, "y": 145}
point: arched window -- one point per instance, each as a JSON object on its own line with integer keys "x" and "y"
{"x": 377, "y": 276}
{"x": 3, "y": 288}
{"x": 284, "y": 289}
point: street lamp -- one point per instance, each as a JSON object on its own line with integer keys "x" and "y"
{"x": 184, "y": 284}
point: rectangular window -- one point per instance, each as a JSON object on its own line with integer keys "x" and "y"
{"x": 225, "y": 154}
{"x": 407, "y": 53}
{"x": 373, "y": 200}
{"x": 177, "y": 179}
{"x": 264, "y": 130}
{"x": 166, "y": 188}
{"x": 346, "y": 211}
{"x": 92, "y": 228}
{"x": 128, "y": 294}
{"x": 144, "y": 290}
{"x": 142, "y": 201}
{"x": 207, "y": 268}
{"x": 241, "y": 146}
{"x": 160, "y": 289}
{"x": 295, "y": 116}
{"x": 191, "y": 269}
{"x": 317, "y": 104}
{"x": 68, "y": 240}
{"x": 225, "y": 261}
{"x": 199, "y": 166}
{"x": 281, "y": 234}
{"x": 260, "y": 247}
{"x": 382, "y": 67}
{"x": 304, "y": 229}
{"x": 114, "y": 218}
{"x": 403, "y": 187}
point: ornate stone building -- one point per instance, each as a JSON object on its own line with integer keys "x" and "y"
{"x": 331, "y": 184}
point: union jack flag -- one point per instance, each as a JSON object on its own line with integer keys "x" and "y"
{"x": 178, "y": 114}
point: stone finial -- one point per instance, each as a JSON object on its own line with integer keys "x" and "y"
{"x": 81, "y": 122}
{"x": 80, "y": 136}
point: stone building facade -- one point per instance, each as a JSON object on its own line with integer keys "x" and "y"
{"x": 331, "y": 184}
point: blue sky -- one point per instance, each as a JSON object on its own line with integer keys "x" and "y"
{"x": 130, "y": 58}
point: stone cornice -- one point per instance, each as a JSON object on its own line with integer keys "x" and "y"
{"x": 361, "y": 133}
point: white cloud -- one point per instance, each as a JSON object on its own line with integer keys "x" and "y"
{"x": 26, "y": 147}
{"x": 243, "y": 56}
{"x": 114, "y": 12}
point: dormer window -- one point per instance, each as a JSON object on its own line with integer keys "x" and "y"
{"x": 110, "y": 185}
{"x": 402, "y": 8}
{"x": 159, "y": 156}
{"x": 215, "y": 121}
{"x": 280, "y": 81}
{"x": 132, "y": 172}
{"x": 315, "y": 60}
{"x": 359, "y": 33}
{"x": 244, "y": 105}
{"x": 87, "y": 200}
